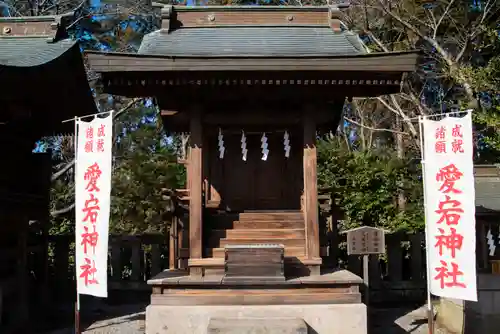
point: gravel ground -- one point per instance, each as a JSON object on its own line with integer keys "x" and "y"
{"x": 124, "y": 319}
{"x": 383, "y": 321}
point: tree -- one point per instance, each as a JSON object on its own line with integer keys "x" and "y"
{"x": 457, "y": 39}
{"x": 364, "y": 183}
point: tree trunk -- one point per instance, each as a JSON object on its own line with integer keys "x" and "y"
{"x": 400, "y": 154}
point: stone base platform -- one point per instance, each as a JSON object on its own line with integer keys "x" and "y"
{"x": 256, "y": 326}
{"x": 320, "y": 319}
{"x": 328, "y": 304}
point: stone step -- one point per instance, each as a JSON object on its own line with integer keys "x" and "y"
{"x": 256, "y": 326}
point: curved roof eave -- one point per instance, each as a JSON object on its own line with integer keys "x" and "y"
{"x": 31, "y": 52}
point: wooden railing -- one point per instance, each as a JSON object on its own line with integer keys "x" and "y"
{"x": 132, "y": 260}
{"x": 397, "y": 275}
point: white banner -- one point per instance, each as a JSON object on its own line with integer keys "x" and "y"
{"x": 92, "y": 205}
{"x": 450, "y": 207}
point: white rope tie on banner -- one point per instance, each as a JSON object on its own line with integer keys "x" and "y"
{"x": 87, "y": 116}
{"x": 446, "y": 114}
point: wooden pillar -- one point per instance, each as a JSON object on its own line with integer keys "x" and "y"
{"x": 310, "y": 185}
{"x": 195, "y": 189}
{"x": 172, "y": 244}
{"x": 22, "y": 272}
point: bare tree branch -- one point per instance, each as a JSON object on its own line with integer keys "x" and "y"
{"x": 62, "y": 211}
{"x": 70, "y": 164}
{"x": 374, "y": 129}
{"x": 62, "y": 171}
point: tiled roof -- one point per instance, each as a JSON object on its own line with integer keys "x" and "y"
{"x": 252, "y": 41}
{"x": 488, "y": 193}
{"x": 31, "y": 51}
{"x": 487, "y": 188}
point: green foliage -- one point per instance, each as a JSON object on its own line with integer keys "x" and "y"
{"x": 144, "y": 165}
{"x": 366, "y": 183}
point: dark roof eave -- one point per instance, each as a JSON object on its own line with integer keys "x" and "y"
{"x": 245, "y": 56}
{"x": 125, "y": 62}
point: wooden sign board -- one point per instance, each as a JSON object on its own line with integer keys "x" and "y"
{"x": 365, "y": 240}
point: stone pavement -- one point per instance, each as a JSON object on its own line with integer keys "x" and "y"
{"x": 397, "y": 320}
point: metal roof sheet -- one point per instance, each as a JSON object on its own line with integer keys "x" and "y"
{"x": 252, "y": 41}
{"x": 31, "y": 51}
{"x": 488, "y": 192}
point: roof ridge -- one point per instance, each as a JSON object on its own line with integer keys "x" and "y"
{"x": 41, "y": 18}
{"x": 214, "y": 8}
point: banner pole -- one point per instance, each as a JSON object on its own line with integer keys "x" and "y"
{"x": 77, "y": 303}
{"x": 430, "y": 311}
{"x": 77, "y": 314}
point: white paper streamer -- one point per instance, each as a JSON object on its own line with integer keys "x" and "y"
{"x": 491, "y": 242}
{"x": 286, "y": 143}
{"x": 265, "y": 151}
{"x": 244, "y": 150}
{"x": 222, "y": 149}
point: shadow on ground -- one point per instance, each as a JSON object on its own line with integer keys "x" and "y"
{"x": 397, "y": 319}
{"x": 122, "y": 308}
{"x": 119, "y": 307}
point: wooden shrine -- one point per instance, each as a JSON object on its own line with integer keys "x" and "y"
{"x": 253, "y": 86}
{"x": 41, "y": 76}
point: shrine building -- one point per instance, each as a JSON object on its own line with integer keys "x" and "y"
{"x": 253, "y": 86}
{"x": 42, "y": 74}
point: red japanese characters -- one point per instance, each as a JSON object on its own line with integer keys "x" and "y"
{"x": 90, "y": 238}
{"x": 450, "y": 213}
{"x": 447, "y": 152}
{"x": 441, "y": 145}
{"x": 92, "y": 204}
{"x": 91, "y": 212}
{"x": 94, "y": 144}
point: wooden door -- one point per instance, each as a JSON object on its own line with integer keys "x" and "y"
{"x": 255, "y": 184}
{"x": 238, "y": 184}
{"x": 269, "y": 178}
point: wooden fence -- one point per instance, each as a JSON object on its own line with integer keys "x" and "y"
{"x": 397, "y": 276}
{"x": 132, "y": 260}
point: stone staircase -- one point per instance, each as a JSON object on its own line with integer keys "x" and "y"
{"x": 251, "y": 228}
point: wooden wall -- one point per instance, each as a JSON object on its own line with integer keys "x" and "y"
{"x": 254, "y": 184}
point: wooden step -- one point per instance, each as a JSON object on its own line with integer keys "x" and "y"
{"x": 297, "y": 242}
{"x": 206, "y": 262}
{"x": 210, "y": 266}
{"x": 280, "y": 233}
{"x": 289, "y": 252}
{"x": 298, "y": 233}
{"x": 271, "y": 215}
{"x": 268, "y": 224}
{"x": 219, "y": 261}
